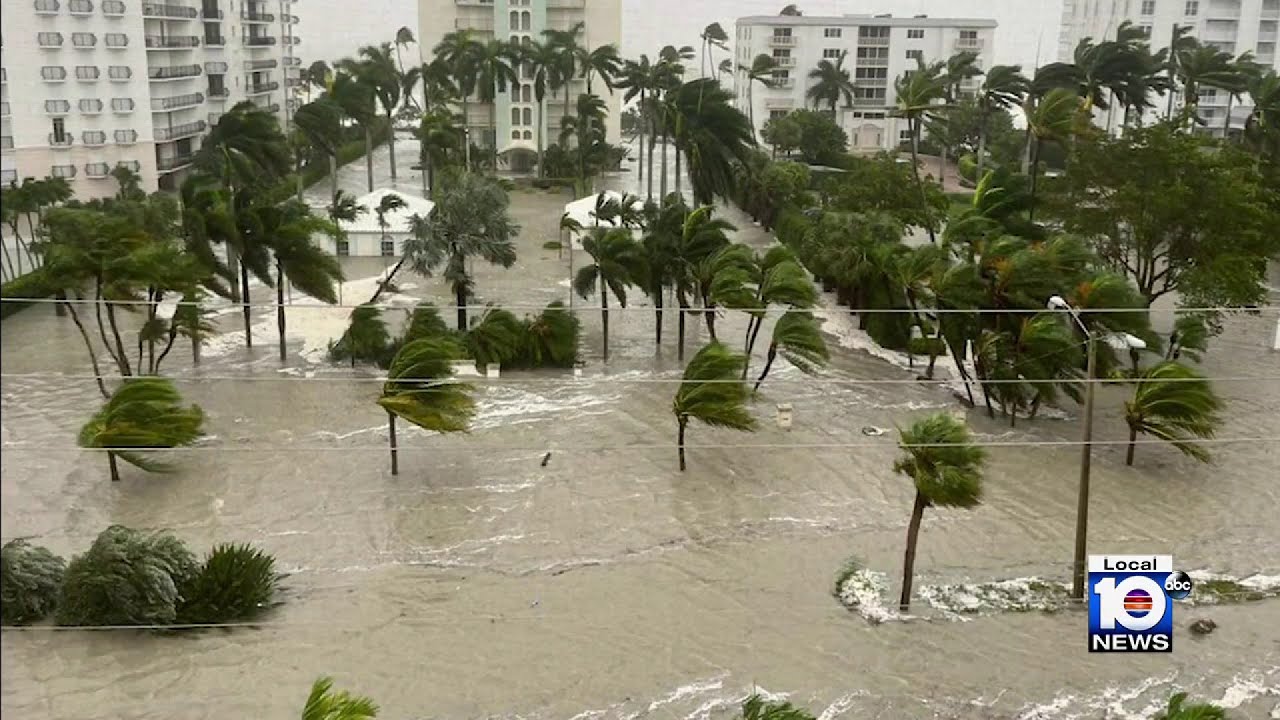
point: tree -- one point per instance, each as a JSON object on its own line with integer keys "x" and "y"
{"x": 1201, "y": 66}
{"x": 713, "y": 136}
{"x": 326, "y": 704}
{"x": 551, "y": 338}
{"x": 1262, "y": 129}
{"x": 712, "y": 391}
{"x": 782, "y": 134}
{"x": 701, "y": 235}
{"x": 1051, "y": 118}
{"x": 760, "y": 71}
{"x": 831, "y": 82}
{"x": 496, "y": 62}
{"x": 822, "y": 141}
{"x": 320, "y": 123}
{"x": 946, "y": 467}
{"x": 289, "y": 228}
{"x": 470, "y": 219}
{"x": 366, "y": 338}
{"x": 602, "y": 62}
{"x": 404, "y": 38}
{"x": 797, "y": 335}
{"x": 377, "y": 70}
{"x": 127, "y": 578}
{"x": 919, "y": 92}
{"x": 782, "y": 282}
{"x": 544, "y": 61}
{"x": 615, "y": 256}
{"x": 713, "y": 36}
{"x": 358, "y": 101}
{"x": 30, "y": 577}
{"x": 586, "y": 129}
{"x": 144, "y": 414}
{"x": 755, "y": 708}
{"x": 1174, "y": 403}
{"x": 440, "y": 141}
{"x": 791, "y": 10}
{"x": 459, "y": 51}
{"x": 566, "y": 41}
{"x": 494, "y": 340}
{"x": 725, "y": 278}
{"x": 1176, "y": 710}
{"x": 421, "y": 390}
{"x": 1004, "y": 88}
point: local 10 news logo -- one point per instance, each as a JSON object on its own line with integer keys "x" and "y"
{"x": 1131, "y": 602}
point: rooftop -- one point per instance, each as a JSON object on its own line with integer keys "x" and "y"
{"x": 397, "y": 220}
{"x": 866, "y": 20}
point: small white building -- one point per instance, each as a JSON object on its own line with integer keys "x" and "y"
{"x": 366, "y": 236}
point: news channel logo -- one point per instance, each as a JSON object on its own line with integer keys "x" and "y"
{"x": 1131, "y": 602}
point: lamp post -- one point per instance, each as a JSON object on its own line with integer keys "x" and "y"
{"x": 1082, "y": 499}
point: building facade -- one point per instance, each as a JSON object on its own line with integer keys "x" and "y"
{"x": 1232, "y": 26}
{"x": 92, "y": 84}
{"x": 879, "y": 48}
{"x": 524, "y": 21}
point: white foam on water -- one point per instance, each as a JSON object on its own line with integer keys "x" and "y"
{"x": 1255, "y": 685}
{"x": 863, "y": 592}
{"x": 841, "y": 705}
{"x": 1015, "y": 595}
{"x": 693, "y": 689}
{"x": 510, "y": 405}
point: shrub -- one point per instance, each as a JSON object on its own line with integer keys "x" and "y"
{"x": 792, "y": 226}
{"x": 236, "y": 582}
{"x": 550, "y": 339}
{"x": 35, "y": 284}
{"x": 29, "y": 579}
{"x": 366, "y": 339}
{"x": 967, "y": 166}
{"x": 126, "y": 578}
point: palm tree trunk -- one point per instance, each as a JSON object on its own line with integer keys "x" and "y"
{"x": 653, "y": 143}
{"x": 244, "y": 293}
{"x": 88, "y": 344}
{"x": 333, "y": 176}
{"x": 684, "y": 310}
{"x": 662, "y": 184}
{"x": 982, "y": 146}
{"x": 604, "y": 315}
{"x": 773, "y": 353}
{"x": 280, "y": 307}
{"x": 683, "y": 421}
{"x": 395, "y": 460}
{"x": 115, "y": 470}
{"x": 115, "y": 332}
{"x": 493, "y": 128}
{"x": 1226, "y": 127}
{"x": 542, "y": 170}
{"x": 461, "y": 295}
{"x": 466, "y": 134}
{"x": 909, "y": 560}
{"x": 914, "y": 127}
{"x": 1133, "y": 440}
{"x": 1035, "y": 177}
{"x": 676, "y": 145}
{"x": 642, "y": 112}
{"x": 368, "y": 157}
{"x": 754, "y": 332}
{"x": 709, "y": 314}
{"x": 391, "y": 144}
{"x": 657, "y": 311}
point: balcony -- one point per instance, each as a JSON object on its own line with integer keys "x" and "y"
{"x": 126, "y": 137}
{"x": 262, "y": 88}
{"x": 561, "y": 4}
{"x": 49, "y": 40}
{"x": 259, "y": 40}
{"x": 1221, "y": 10}
{"x": 293, "y": 61}
{"x": 293, "y": 82}
{"x": 84, "y": 40}
{"x": 219, "y": 94}
{"x": 122, "y": 106}
{"x": 970, "y": 44}
{"x": 1267, "y": 36}
{"x": 90, "y": 106}
{"x": 784, "y": 84}
{"x": 112, "y": 8}
{"x": 178, "y": 132}
{"x": 873, "y": 40}
{"x": 215, "y": 67}
{"x": 87, "y": 73}
{"x": 93, "y": 138}
{"x": 133, "y": 165}
{"x": 177, "y": 162}
{"x": 46, "y": 7}
{"x": 119, "y": 73}
{"x": 53, "y": 74}
{"x": 4, "y": 108}
{"x": 173, "y": 72}
{"x": 782, "y": 41}
{"x": 214, "y": 40}
{"x": 176, "y": 102}
{"x": 869, "y": 102}
{"x": 80, "y": 7}
{"x": 255, "y": 16}
{"x": 57, "y": 107}
{"x": 779, "y": 103}
{"x": 174, "y": 12}
{"x": 477, "y": 24}
{"x": 116, "y": 41}
{"x": 63, "y": 171}
{"x": 4, "y": 75}
{"x": 260, "y": 64}
{"x": 211, "y": 13}
{"x": 784, "y": 62}
{"x": 873, "y": 62}
{"x": 1270, "y": 10}
{"x": 172, "y": 42}
{"x": 97, "y": 170}
{"x": 871, "y": 82}
{"x": 60, "y": 142}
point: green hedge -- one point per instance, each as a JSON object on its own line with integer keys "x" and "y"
{"x": 791, "y": 226}
{"x": 314, "y": 172}
{"x": 35, "y": 284}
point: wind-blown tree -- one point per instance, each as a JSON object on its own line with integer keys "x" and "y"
{"x": 958, "y": 68}
{"x": 798, "y": 337}
{"x": 317, "y": 75}
{"x": 1177, "y": 710}
{"x": 615, "y": 257}
{"x": 831, "y": 82}
{"x": 760, "y": 71}
{"x": 343, "y": 208}
{"x": 714, "y": 136}
{"x": 782, "y": 282}
{"x": 713, "y": 36}
{"x": 1004, "y": 88}
{"x": 320, "y": 124}
{"x": 144, "y": 414}
{"x": 366, "y": 338}
{"x": 420, "y": 389}
{"x": 324, "y": 703}
{"x": 438, "y": 88}
{"x": 376, "y": 69}
{"x": 30, "y": 578}
{"x": 496, "y": 64}
{"x": 544, "y": 62}
{"x": 358, "y": 101}
{"x": 919, "y": 93}
{"x": 1174, "y": 403}
{"x": 1204, "y": 66}
{"x": 725, "y": 278}
{"x": 946, "y": 468}
{"x": 712, "y": 391}
{"x": 566, "y": 42}
{"x": 551, "y": 338}
{"x": 1095, "y": 69}
{"x": 127, "y": 577}
{"x": 755, "y": 708}
{"x": 459, "y": 51}
{"x": 440, "y": 141}
{"x": 586, "y": 129}
{"x": 404, "y": 38}
{"x": 701, "y": 235}
{"x": 1262, "y": 128}
{"x": 1051, "y": 118}
{"x": 494, "y": 339}
{"x": 602, "y": 62}
{"x": 470, "y": 219}
{"x": 290, "y": 227}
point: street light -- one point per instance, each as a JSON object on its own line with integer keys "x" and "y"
{"x": 1082, "y": 501}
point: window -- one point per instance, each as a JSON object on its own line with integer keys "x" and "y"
{"x": 528, "y": 116}
{"x": 86, "y": 72}
{"x": 777, "y": 114}
{"x": 59, "y": 135}
{"x": 528, "y": 134}
{"x": 915, "y": 34}
{"x": 81, "y": 6}
{"x": 388, "y": 247}
{"x": 873, "y": 32}
{"x": 515, "y": 116}
{"x": 91, "y": 106}
{"x": 56, "y": 107}
{"x": 116, "y": 40}
{"x": 1146, "y": 29}
{"x": 968, "y": 34}
{"x": 217, "y": 86}
{"x": 94, "y": 137}
{"x": 53, "y": 73}
{"x": 831, "y": 53}
{"x": 98, "y": 169}
{"x": 871, "y": 73}
{"x": 119, "y": 72}
{"x": 133, "y": 165}
{"x": 1192, "y": 8}
{"x": 782, "y": 32}
{"x": 344, "y": 248}
{"x": 904, "y": 136}
{"x": 63, "y": 171}
{"x": 526, "y": 21}
{"x": 84, "y": 39}
{"x": 49, "y": 39}
{"x": 874, "y": 116}
{"x": 915, "y": 54}
{"x": 513, "y": 20}
{"x": 781, "y": 53}
{"x": 831, "y": 32}
{"x": 126, "y": 137}
{"x": 781, "y": 76}
{"x": 122, "y": 104}
{"x": 515, "y": 134}
{"x": 1148, "y": 7}
{"x": 526, "y": 93}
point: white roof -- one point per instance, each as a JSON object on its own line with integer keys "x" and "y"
{"x": 397, "y": 220}
{"x": 583, "y": 209}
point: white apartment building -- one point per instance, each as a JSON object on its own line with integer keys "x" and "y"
{"x": 524, "y": 21}
{"x": 1233, "y": 26}
{"x": 92, "y": 84}
{"x": 879, "y": 48}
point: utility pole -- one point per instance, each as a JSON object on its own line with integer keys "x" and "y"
{"x": 1086, "y": 459}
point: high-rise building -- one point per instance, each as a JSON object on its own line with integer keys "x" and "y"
{"x": 524, "y": 21}
{"x": 1233, "y": 26}
{"x": 92, "y": 84}
{"x": 878, "y": 49}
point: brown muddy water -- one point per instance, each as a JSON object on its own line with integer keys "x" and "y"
{"x": 607, "y": 584}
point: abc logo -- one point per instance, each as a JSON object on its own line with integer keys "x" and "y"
{"x": 1178, "y": 585}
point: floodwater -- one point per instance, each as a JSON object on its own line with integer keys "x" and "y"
{"x": 606, "y": 584}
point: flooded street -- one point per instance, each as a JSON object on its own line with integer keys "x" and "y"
{"x": 607, "y": 584}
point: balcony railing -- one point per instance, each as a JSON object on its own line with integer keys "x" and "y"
{"x": 180, "y": 131}
{"x": 782, "y": 40}
{"x": 93, "y": 138}
{"x": 97, "y": 170}
{"x": 871, "y": 82}
{"x": 779, "y": 103}
{"x": 260, "y": 64}
{"x": 116, "y": 41}
{"x": 87, "y": 73}
{"x": 80, "y": 7}
{"x": 262, "y": 88}
{"x": 784, "y": 62}
{"x": 214, "y": 40}
{"x": 46, "y": 7}
{"x": 126, "y": 137}
{"x": 177, "y": 162}
{"x": 970, "y": 43}
{"x": 211, "y": 13}
{"x": 112, "y": 8}
{"x": 176, "y": 102}
{"x": 172, "y": 42}
{"x": 123, "y": 106}
{"x": 783, "y": 84}
{"x": 256, "y": 16}
{"x": 219, "y": 94}
{"x": 565, "y": 4}
{"x": 1266, "y": 36}
{"x": 1270, "y": 10}
{"x": 161, "y": 10}
{"x": 173, "y": 72}
{"x": 90, "y": 106}
{"x": 63, "y": 171}
{"x": 259, "y": 40}
{"x": 873, "y": 62}
{"x": 120, "y": 73}
{"x": 61, "y": 142}
{"x": 293, "y": 61}
{"x": 215, "y": 67}
{"x": 84, "y": 39}
{"x": 57, "y": 107}
{"x": 477, "y": 24}
{"x": 53, "y": 73}
{"x": 873, "y": 40}
{"x": 49, "y": 39}
{"x": 133, "y": 165}
{"x": 869, "y": 102}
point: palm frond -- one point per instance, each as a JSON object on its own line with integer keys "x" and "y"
{"x": 709, "y": 392}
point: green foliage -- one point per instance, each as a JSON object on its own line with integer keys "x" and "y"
{"x": 30, "y": 578}
{"x": 941, "y": 459}
{"x": 708, "y": 391}
{"x": 425, "y": 322}
{"x": 35, "y": 284}
{"x": 755, "y": 708}
{"x": 816, "y": 135}
{"x": 782, "y": 134}
{"x": 143, "y": 414}
{"x": 798, "y": 338}
{"x": 366, "y": 338}
{"x": 420, "y": 387}
{"x": 551, "y": 339}
{"x": 496, "y": 339}
{"x": 324, "y": 703}
{"x": 126, "y": 578}
{"x": 1178, "y": 710}
{"x": 1173, "y": 403}
{"x": 882, "y": 184}
{"x": 793, "y": 225}
{"x": 235, "y": 583}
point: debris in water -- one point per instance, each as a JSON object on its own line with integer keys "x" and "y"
{"x": 546, "y": 459}
{"x": 872, "y": 431}
{"x": 1203, "y": 626}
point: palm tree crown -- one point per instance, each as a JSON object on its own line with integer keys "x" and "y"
{"x": 832, "y": 83}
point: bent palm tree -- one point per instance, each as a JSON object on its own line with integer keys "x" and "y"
{"x": 144, "y": 414}
{"x": 326, "y": 704}
{"x": 493, "y": 340}
{"x": 289, "y": 228}
{"x": 798, "y": 337}
{"x": 782, "y": 282}
{"x": 946, "y": 467}
{"x": 615, "y": 256}
{"x": 918, "y": 93}
{"x": 1173, "y": 403}
{"x": 712, "y": 391}
{"x": 1003, "y": 88}
{"x": 420, "y": 389}
{"x": 761, "y": 71}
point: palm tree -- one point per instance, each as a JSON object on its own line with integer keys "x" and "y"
{"x": 1263, "y": 126}
{"x": 470, "y": 219}
{"x": 358, "y": 101}
{"x": 377, "y": 69}
{"x": 1095, "y": 69}
{"x": 496, "y": 63}
{"x": 725, "y": 278}
{"x": 755, "y": 708}
{"x": 320, "y": 123}
{"x": 1245, "y": 69}
{"x": 404, "y": 38}
{"x": 701, "y": 236}
{"x": 798, "y": 337}
{"x": 1195, "y": 711}
{"x": 713, "y": 135}
{"x": 615, "y": 256}
{"x": 1204, "y": 66}
{"x": 325, "y": 704}
{"x": 143, "y": 414}
{"x": 366, "y": 337}
{"x": 712, "y": 391}
{"x": 712, "y": 35}
{"x": 544, "y": 61}
{"x": 566, "y": 41}
{"x": 1051, "y": 118}
{"x": 603, "y": 61}
{"x": 959, "y": 67}
{"x": 782, "y": 282}
{"x": 1173, "y": 403}
{"x": 420, "y": 388}
{"x": 946, "y": 467}
{"x": 289, "y": 228}
{"x": 318, "y": 75}
{"x": 1180, "y": 43}
{"x": 1004, "y": 87}
{"x": 552, "y": 338}
{"x": 438, "y": 136}
{"x": 586, "y": 128}
{"x": 495, "y": 339}
{"x": 761, "y": 71}
{"x": 832, "y": 83}
{"x": 635, "y": 78}
{"x": 343, "y": 208}
{"x": 919, "y": 92}
{"x": 459, "y": 52}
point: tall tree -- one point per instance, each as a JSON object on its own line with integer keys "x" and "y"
{"x": 1051, "y": 118}
{"x": 320, "y": 123}
{"x": 377, "y": 69}
{"x": 615, "y": 259}
{"x": 1004, "y": 87}
{"x": 713, "y": 135}
{"x": 712, "y": 391}
{"x": 290, "y": 227}
{"x": 496, "y": 68}
{"x": 761, "y": 71}
{"x": 439, "y": 140}
{"x": 701, "y": 236}
{"x": 946, "y": 467}
{"x": 603, "y": 62}
{"x": 1174, "y": 403}
{"x": 459, "y": 51}
{"x": 420, "y": 389}
{"x": 919, "y": 93}
{"x": 831, "y": 82}
{"x": 566, "y": 41}
{"x": 358, "y": 102}
{"x": 544, "y": 61}
{"x": 713, "y": 36}
{"x": 798, "y": 337}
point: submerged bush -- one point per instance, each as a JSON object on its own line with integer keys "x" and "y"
{"x": 126, "y": 578}
{"x": 236, "y": 582}
{"x": 29, "y": 580}
{"x": 550, "y": 339}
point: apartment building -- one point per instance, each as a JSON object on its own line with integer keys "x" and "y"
{"x": 1233, "y": 26}
{"x": 880, "y": 48}
{"x": 524, "y": 21}
{"x": 92, "y": 84}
